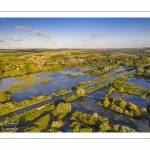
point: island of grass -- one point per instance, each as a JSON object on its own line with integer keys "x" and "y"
{"x": 44, "y": 81}
{"x": 27, "y": 79}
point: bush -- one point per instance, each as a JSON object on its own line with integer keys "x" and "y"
{"x": 75, "y": 126}
{"x": 63, "y": 109}
{"x": 116, "y": 128}
{"x": 43, "y": 122}
{"x": 132, "y": 106}
{"x": 80, "y": 91}
{"x": 57, "y": 124}
{"x": 104, "y": 127}
{"x": 126, "y": 112}
{"x": 126, "y": 129}
{"x": 106, "y": 102}
{"x": 85, "y": 130}
{"x": 143, "y": 110}
{"x": 4, "y": 96}
{"x": 123, "y": 104}
{"x": 137, "y": 113}
{"x": 121, "y": 90}
{"x": 41, "y": 97}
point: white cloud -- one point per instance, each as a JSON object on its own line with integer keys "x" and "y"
{"x": 36, "y": 32}
{"x": 7, "y": 39}
{"x": 12, "y": 39}
{"x": 47, "y": 41}
{"x": 40, "y": 33}
{"x": 96, "y": 34}
{"x": 2, "y": 41}
{"x": 21, "y": 27}
{"x": 15, "y": 39}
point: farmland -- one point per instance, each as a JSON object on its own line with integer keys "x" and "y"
{"x": 81, "y": 90}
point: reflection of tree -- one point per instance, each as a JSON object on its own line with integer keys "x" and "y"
{"x": 105, "y": 109}
{"x": 80, "y": 99}
{"x": 21, "y": 121}
{"x": 121, "y": 94}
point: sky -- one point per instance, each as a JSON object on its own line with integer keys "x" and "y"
{"x": 74, "y": 33}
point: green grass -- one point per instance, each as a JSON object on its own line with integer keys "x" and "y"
{"x": 27, "y": 78}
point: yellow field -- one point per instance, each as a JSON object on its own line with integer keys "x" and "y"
{"x": 51, "y": 53}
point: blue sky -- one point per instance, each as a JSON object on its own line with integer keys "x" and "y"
{"x": 74, "y": 32}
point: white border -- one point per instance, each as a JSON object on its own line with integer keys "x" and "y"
{"x": 74, "y": 5}
{"x": 42, "y": 14}
{"x": 62, "y": 135}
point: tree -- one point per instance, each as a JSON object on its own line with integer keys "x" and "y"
{"x": 28, "y": 68}
{"x": 123, "y": 104}
{"x": 80, "y": 91}
{"x": 121, "y": 89}
{"x": 148, "y": 71}
{"x": 140, "y": 70}
{"x": 0, "y": 73}
{"x": 63, "y": 109}
{"x": 106, "y": 102}
{"x": 143, "y": 110}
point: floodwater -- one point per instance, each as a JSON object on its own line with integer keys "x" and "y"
{"x": 84, "y": 104}
{"x": 90, "y": 106}
{"x": 139, "y": 81}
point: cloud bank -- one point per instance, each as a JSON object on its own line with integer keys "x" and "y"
{"x": 2, "y": 41}
{"x": 21, "y": 27}
{"x": 96, "y": 34}
{"x": 12, "y": 39}
{"x": 40, "y": 33}
{"x": 36, "y": 32}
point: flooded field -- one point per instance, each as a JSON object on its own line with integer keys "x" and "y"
{"x": 85, "y": 104}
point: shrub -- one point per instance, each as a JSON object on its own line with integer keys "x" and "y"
{"x": 121, "y": 89}
{"x": 41, "y": 97}
{"x": 131, "y": 113}
{"x": 116, "y": 128}
{"x": 126, "y": 129}
{"x": 104, "y": 127}
{"x": 4, "y": 96}
{"x": 57, "y": 124}
{"x": 143, "y": 110}
{"x": 80, "y": 91}
{"x": 106, "y": 102}
{"x": 75, "y": 126}
{"x": 63, "y": 109}
{"x": 43, "y": 122}
{"x": 112, "y": 106}
{"x": 85, "y": 130}
{"x": 118, "y": 109}
{"x": 123, "y": 104}
{"x": 137, "y": 113}
{"x": 126, "y": 112}
{"x": 132, "y": 106}
{"x": 95, "y": 115}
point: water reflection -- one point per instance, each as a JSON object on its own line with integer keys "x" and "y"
{"x": 141, "y": 102}
{"x": 105, "y": 109}
{"x": 80, "y": 99}
{"x": 139, "y": 81}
